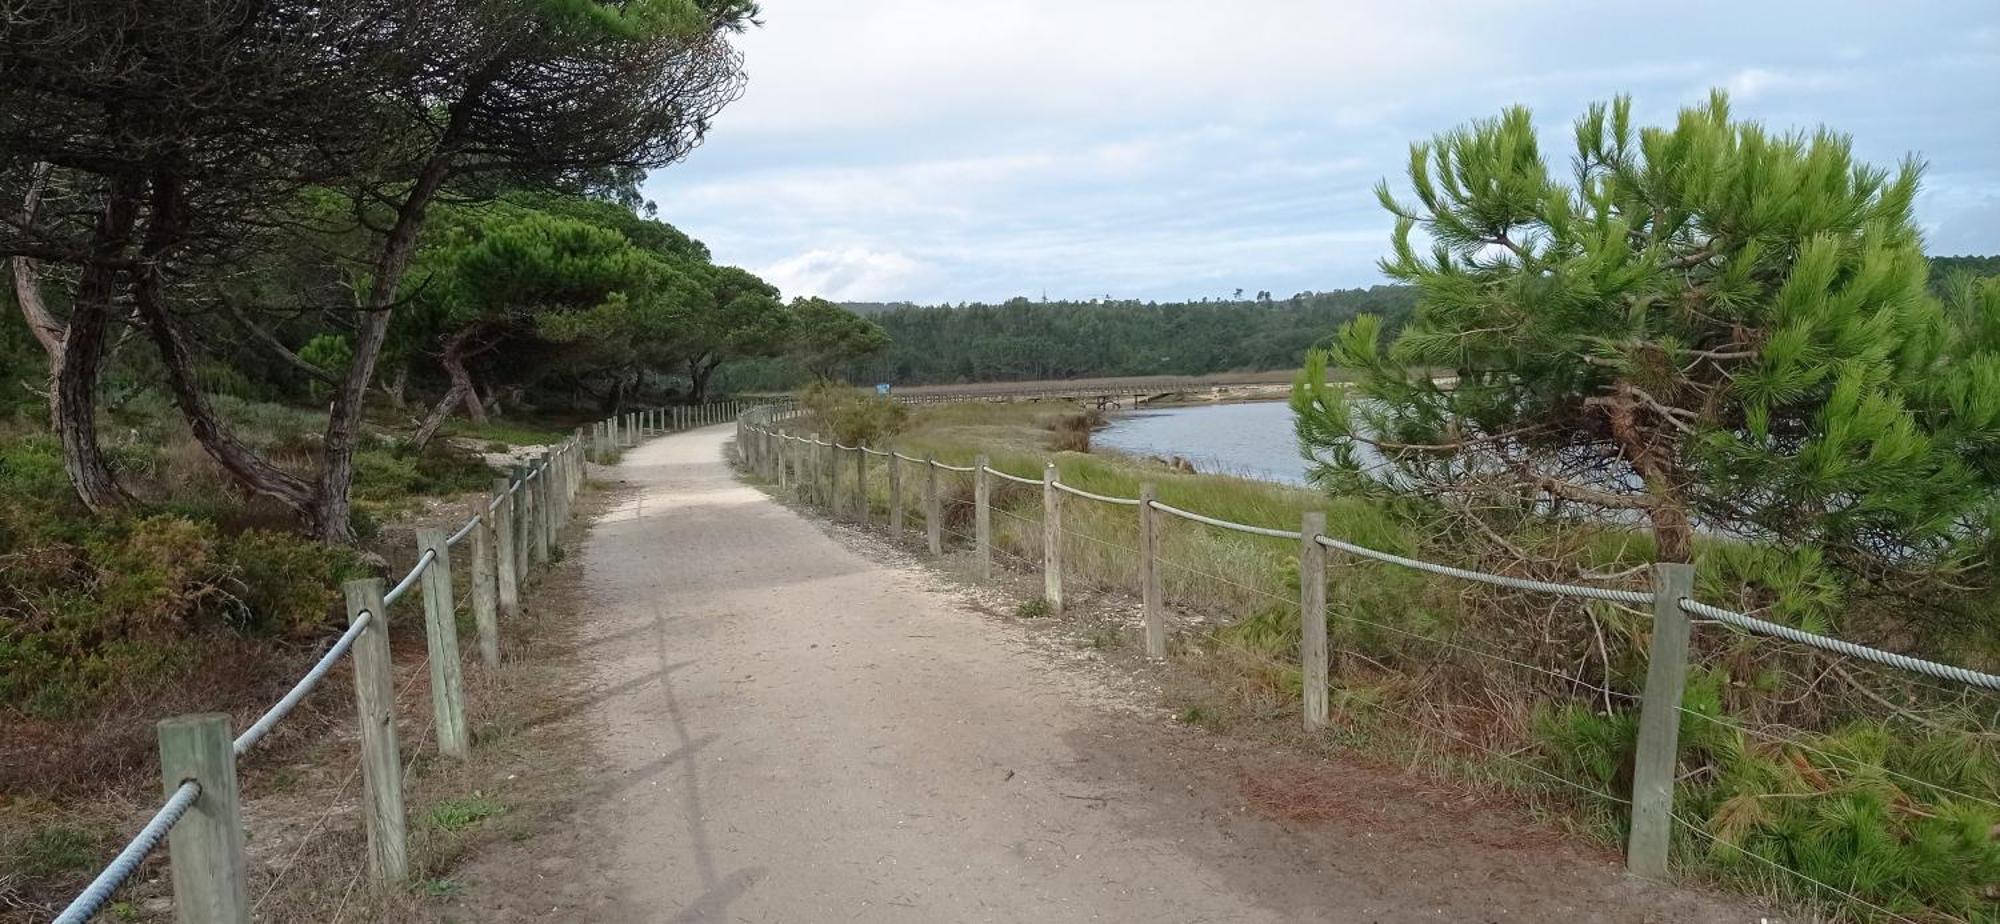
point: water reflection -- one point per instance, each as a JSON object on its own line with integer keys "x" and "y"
{"x": 1252, "y": 440}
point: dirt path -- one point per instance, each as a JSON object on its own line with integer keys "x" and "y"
{"x": 796, "y": 733}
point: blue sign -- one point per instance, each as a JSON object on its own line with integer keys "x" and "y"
{"x": 882, "y": 388}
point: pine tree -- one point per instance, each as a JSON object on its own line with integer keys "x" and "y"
{"x": 1710, "y": 327}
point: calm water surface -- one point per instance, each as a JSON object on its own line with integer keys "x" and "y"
{"x": 1253, "y": 440}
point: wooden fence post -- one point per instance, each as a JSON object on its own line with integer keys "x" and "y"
{"x": 861, "y": 483}
{"x": 982, "y": 516}
{"x": 505, "y": 578}
{"x": 210, "y": 883}
{"x": 1312, "y": 618}
{"x": 538, "y": 510}
{"x": 545, "y": 503}
{"x": 375, "y": 706}
{"x": 1658, "y": 756}
{"x": 933, "y": 507}
{"x": 524, "y": 512}
{"x": 830, "y": 461}
{"x": 485, "y": 592}
{"x": 441, "y": 639}
{"x": 895, "y": 493}
{"x": 1052, "y": 564}
{"x": 1149, "y": 573}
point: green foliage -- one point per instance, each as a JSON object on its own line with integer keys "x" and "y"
{"x": 1033, "y": 608}
{"x": 852, "y": 416}
{"x": 50, "y": 852}
{"x": 89, "y": 606}
{"x": 388, "y": 479}
{"x": 1710, "y": 324}
{"x": 826, "y": 337}
{"x": 457, "y": 814}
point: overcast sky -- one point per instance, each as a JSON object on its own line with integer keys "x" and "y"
{"x": 948, "y": 150}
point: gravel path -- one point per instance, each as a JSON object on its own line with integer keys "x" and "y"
{"x": 794, "y": 732}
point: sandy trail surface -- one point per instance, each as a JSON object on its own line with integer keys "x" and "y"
{"x": 796, "y": 727}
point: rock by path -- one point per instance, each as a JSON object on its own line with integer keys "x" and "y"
{"x": 793, "y": 732}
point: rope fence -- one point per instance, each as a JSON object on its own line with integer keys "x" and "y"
{"x": 763, "y": 447}
{"x": 514, "y": 531}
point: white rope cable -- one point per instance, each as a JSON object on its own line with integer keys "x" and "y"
{"x": 874, "y": 452}
{"x": 1291, "y": 534}
{"x": 264, "y": 724}
{"x": 843, "y": 448}
{"x": 954, "y": 468}
{"x": 463, "y": 532}
{"x": 907, "y": 458}
{"x": 1014, "y": 478}
{"x": 92, "y": 899}
{"x": 1565, "y": 590}
{"x": 410, "y": 580}
{"x": 1838, "y": 646}
{"x": 1101, "y": 498}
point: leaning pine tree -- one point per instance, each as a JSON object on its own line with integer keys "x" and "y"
{"x": 1710, "y": 329}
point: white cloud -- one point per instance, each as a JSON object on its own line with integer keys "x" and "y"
{"x": 1158, "y": 148}
{"x": 1751, "y": 83}
{"x": 849, "y": 274}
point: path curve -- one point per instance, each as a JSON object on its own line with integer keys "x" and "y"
{"x": 797, "y": 733}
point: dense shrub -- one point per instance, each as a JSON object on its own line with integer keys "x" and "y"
{"x": 852, "y": 416}
{"x": 88, "y": 605}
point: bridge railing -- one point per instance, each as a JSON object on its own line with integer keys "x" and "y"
{"x": 513, "y": 533}
{"x": 812, "y": 469}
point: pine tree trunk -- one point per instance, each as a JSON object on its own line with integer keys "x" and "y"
{"x": 331, "y": 502}
{"x": 78, "y": 364}
{"x": 74, "y": 399}
{"x": 395, "y": 387}
{"x": 149, "y": 295}
{"x": 435, "y": 418}
{"x": 453, "y": 361}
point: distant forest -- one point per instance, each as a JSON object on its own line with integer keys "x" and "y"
{"x": 1022, "y": 339}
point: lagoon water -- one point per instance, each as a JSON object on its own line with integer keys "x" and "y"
{"x": 1254, "y": 440}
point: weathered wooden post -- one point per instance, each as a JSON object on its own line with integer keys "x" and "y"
{"x": 548, "y": 505}
{"x": 982, "y": 516}
{"x": 1658, "y": 756}
{"x": 933, "y": 506}
{"x": 210, "y": 882}
{"x": 524, "y": 510}
{"x": 538, "y": 488}
{"x": 895, "y": 493}
{"x": 441, "y": 640}
{"x": 485, "y": 592}
{"x": 861, "y": 483}
{"x": 1312, "y": 618}
{"x": 830, "y": 461}
{"x": 1052, "y": 563}
{"x": 1149, "y": 573}
{"x": 505, "y": 578}
{"x": 375, "y": 705}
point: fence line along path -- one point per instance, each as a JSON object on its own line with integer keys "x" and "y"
{"x": 517, "y": 531}
{"x": 773, "y": 446}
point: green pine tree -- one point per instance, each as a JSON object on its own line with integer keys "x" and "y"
{"x": 1708, "y": 327}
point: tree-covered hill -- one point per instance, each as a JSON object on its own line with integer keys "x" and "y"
{"x": 1022, "y": 339}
